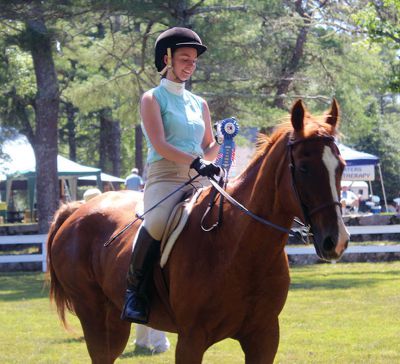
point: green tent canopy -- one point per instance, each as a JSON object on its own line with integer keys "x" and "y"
{"x": 22, "y": 166}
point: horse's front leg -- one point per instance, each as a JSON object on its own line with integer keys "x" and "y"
{"x": 190, "y": 349}
{"x": 260, "y": 346}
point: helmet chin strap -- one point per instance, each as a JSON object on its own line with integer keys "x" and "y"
{"x": 169, "y": 66}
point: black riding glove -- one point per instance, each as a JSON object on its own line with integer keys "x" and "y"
{"x": 204, "y": 168}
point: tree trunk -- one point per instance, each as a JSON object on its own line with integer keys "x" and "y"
{"x": 114, "y": 147}
{"x": 46, "y": 106}
{"x": 110, "y": 144}
{"x": 292, "y": 67}
{"x": 71, "y": 129}
{"x": 139, "y": 148}
{"x": 103, "y": 140}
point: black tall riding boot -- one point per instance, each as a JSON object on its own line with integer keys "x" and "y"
{"x": 145, "y": 253}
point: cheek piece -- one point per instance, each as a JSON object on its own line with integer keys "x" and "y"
{"x": 169, "y": 65}
{"x": 169, "y": 62}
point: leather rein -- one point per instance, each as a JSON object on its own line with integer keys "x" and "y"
{"x": 305, "y": 229}
{"x": 307, "y": 212}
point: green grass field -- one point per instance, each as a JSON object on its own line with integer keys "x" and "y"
{"x": 335, "y": 313}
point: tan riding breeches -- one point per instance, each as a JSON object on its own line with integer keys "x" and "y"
{"x": 164, "y": 177}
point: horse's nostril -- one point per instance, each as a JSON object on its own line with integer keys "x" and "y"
{"x": 328, "y": 244}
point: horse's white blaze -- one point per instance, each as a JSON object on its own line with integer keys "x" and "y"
{"x": 331, "y": 163}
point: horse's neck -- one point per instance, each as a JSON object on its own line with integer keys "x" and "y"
{"x": 257, "y": 188}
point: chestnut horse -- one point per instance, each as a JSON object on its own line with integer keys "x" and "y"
{"x": 231, "y": 282}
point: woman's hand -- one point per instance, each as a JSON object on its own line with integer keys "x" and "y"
{"x": 205, "y": 168}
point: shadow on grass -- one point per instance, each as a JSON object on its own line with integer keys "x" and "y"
{"x": 70, "y": 340}
{"x": 19, "y": 285}
{"x": 138, "y": 352}
{"x": 344, "y": 280}
{"x": 16, "y": 286}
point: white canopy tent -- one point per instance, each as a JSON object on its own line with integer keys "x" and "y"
{"x": 104, "y": 177}
{"x": 360, "y": 166}
{"x": 22, "y": 166}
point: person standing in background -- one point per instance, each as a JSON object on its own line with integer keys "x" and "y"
{"x": 134, "y": 181}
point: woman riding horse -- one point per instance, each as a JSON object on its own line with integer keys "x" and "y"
{"x": 231, "y": 282}
{"x": 178, "y": 130}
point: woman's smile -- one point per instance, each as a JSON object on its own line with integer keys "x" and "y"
{"x": 184, "y": 62}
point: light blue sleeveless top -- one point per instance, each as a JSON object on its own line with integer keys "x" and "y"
{"x": 182, "y": 117}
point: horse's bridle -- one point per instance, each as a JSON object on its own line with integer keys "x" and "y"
{"x": 307, "y": 211}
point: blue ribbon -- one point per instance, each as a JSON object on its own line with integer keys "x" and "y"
{"x": 228, "y": 128}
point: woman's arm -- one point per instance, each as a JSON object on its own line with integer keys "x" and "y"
{"x": 151, "y": 117}
{"x": 210, "y": 147}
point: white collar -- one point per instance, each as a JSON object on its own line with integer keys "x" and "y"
{"x": 173, "y": 87}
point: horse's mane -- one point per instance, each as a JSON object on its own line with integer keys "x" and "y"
{"x": 314, "y": 125}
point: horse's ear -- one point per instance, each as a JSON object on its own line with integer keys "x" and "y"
{"x": 333, "y": 114}
{"x": 297, "y": 115}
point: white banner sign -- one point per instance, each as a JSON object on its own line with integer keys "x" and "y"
{"x": 359, "y": 173}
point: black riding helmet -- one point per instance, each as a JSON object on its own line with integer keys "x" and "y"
{"x": 174, "y": 38}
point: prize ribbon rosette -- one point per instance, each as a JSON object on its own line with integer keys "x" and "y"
{"x": 226, "y": 129}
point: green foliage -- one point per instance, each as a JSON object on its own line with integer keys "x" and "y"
{"x": 381, "y": 20}
{"x": 383, "y": 140}
{"x": 241, "y": 67}
{"x": 114, "y": 79}
{"x": 20, "y": 68}
{"x": 17, "y": 78}
{"x": 104, "y": 58}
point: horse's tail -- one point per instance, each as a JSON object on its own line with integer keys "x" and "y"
{"x": 57, "y": 293}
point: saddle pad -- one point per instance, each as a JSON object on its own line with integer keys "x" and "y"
{"x": 175, "y": 225}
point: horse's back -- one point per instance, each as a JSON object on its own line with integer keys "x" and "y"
{"x": 78, "y": 255}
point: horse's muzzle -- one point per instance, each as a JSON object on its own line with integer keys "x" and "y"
{"x": 329, "y": 247}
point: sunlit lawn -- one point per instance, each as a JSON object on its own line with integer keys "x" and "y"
{"x": 335, "y": 313}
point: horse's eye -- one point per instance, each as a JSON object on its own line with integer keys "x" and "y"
{"x": 303, "y": 169}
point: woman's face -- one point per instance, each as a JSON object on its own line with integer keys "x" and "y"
{"x": 184, "y": 64}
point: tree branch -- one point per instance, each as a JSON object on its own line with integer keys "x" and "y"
{"x": 218, "y": 9}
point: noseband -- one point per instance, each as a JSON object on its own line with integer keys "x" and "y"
{"x": 307, "y": 211}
